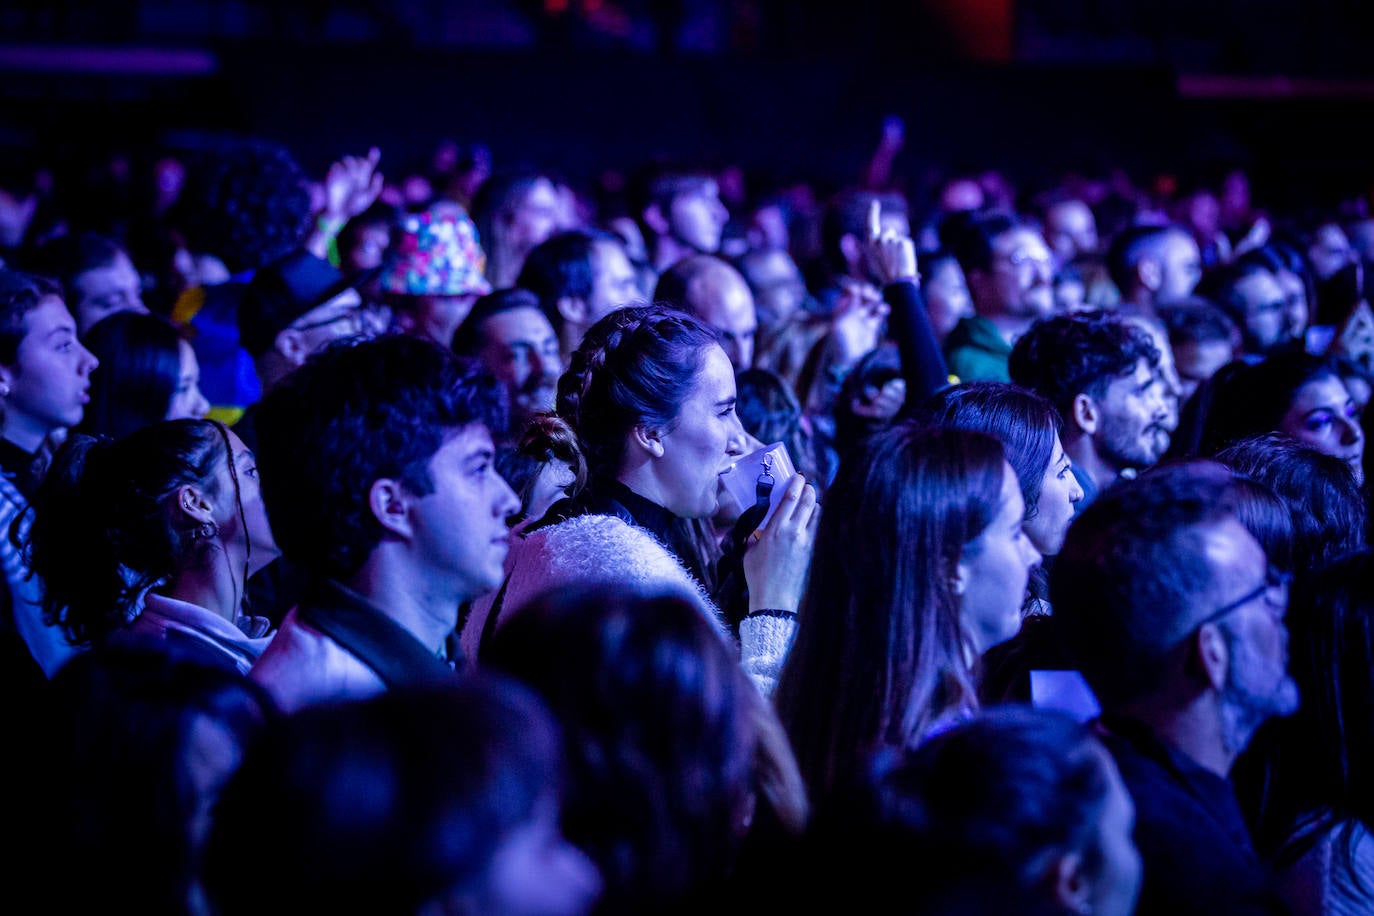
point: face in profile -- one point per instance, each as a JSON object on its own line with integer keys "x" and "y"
{"x": 459, "y": 528}
{"x": 48, "y": 385}
{"x": 188, "y": 403}
{"x": 1060, "y": 492}
{"x": 703, "y": 443}
{"x": 994, "y": 569}
{"x": 1114, "y": 888}
{"x": 252, "y": 527}
{"x": 1133, "y": 426}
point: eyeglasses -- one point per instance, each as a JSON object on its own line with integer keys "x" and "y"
{"x": 354, "y": 317}
{"x": 1274, "y": 588}
{"x": 1026, "y": 261}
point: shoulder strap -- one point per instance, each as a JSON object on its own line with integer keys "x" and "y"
{"x": 382, "y": 645}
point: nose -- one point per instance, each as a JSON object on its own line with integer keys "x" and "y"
{"x": 507, "y": 503}
{"x": 1032, "y": 556}
{"x": 738, "y": 440}
{"x": 201, "y": 409}
{"x": 1350, "y": 431}
{"x": 89, "y": 363}
{"x": 1076, "y": 493}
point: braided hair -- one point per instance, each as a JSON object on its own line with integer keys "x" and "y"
{"x": 635, "y": 367}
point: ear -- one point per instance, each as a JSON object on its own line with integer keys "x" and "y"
{"x": 650, "y": 440}
{"x": 390, "y": 503}
{"x": 1149, "y": 273}
{"x": 192, "y": 503}
{"x": 1214, "y": 658}
{"x": 962, "y": 574}
{"x": 1085, "y": 413}
{"x": 656, "y": 219}
{"x": 290, "y": 343}
{"x": 1068, "y": 883}
{"x": 850, "y": 248}
{"x": 6, "y": 380}
{"x": 573, "y": 309}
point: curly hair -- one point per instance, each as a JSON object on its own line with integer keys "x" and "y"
{"x": 1062, "y": 357}
{"x": 635, "y": 367}
{"x": 248, "y": 203}
{"x": 20, "y": 293}
{"x": 357, "y": 412}
{"x": 102, "y": 533}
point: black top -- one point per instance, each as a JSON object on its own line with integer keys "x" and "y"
{"x": 1197, "y": 854}
{"x": 382, "y": 644}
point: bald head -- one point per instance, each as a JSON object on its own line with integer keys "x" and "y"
{"x": 718, "y": 294}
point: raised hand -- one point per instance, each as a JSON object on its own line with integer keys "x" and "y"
{"x": 352, "y": 185}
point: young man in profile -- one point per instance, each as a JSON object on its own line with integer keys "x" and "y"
{"x": 378, "y": 474}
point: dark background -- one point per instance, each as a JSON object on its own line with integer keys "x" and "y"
{"x": 786, "y": 90}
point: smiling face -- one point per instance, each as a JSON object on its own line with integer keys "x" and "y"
{"x": 1324, "y": 416}
{"x": 48, "y": 383}
{"x": 1059, "y": 492}
{"x": 520, "y": 348}
{"x": 703, "y": 443}
{"x": 994, "y": 569}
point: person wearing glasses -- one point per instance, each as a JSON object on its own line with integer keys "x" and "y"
{"x": 1010, "y": 274}
{"x": 295, "y": 306}
{"x": 1175, "y": 617}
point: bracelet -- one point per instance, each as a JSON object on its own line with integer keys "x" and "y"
{"x": 772, "y": 612}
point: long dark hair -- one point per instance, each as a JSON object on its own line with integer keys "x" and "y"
{"x": 1025, "y": 423}
{"x": 1315, "y": 763}
{"x": 140, "y": 365}
{"x": 880, "y": 653}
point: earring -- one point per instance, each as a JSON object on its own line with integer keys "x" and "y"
{"x": 206, "y": 532}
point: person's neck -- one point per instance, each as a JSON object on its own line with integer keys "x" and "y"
{"x": 1082, "y": 453}
{"x": 639, "y": 477}
{"x": 1010, "y": 326}
{"x": 216, "y": 584}
{"x": 1141, "y": 301}
{"x": 23, "y": 432}
{"x": 1195, "y": 729}
{"x": 409, "y": 594}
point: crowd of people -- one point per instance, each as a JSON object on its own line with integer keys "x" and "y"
{"x": 475, "y": 541}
